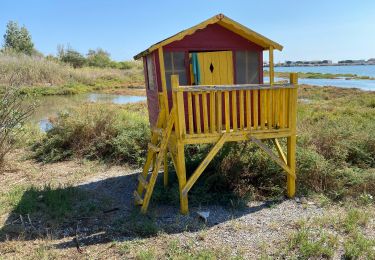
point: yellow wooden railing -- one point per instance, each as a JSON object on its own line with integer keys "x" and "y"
{"x": 209, "y": 110}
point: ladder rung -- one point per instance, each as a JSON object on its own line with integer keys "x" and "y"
{"x": 142, "y": 181}
{"x": 153, "y": 148}
{"x": 138, "y": 199}
{"x": 158, "y": 131}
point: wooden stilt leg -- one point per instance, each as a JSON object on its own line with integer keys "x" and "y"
{"x": 291, "y": 158}
{"x": 181, "y": 172}
{"x": 165, "y": 170}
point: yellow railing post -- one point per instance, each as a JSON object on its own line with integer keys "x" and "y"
{"x": 292, "y": 139}
{"x": 178, "y": 102}
{"x": 180, "y": 128}
{"x": 271, "y": 65}
{"x": 163, "y": 81}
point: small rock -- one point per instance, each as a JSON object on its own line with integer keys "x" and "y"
{"x": 203, "y": 215}
{"x": 303, "y": 200}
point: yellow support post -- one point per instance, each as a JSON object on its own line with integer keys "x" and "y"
{"x": 292, "y": 140}
{"x": 181, "y": 172}
{"x": 271, "y": 66}
{"x": 163, "y": 81}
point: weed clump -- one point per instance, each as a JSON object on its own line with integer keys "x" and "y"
{"x": 97, "y": 132}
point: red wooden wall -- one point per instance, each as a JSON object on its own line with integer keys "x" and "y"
{"x": 212, "y": 38}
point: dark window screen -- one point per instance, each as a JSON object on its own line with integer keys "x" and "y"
{"x": 150, "y": 72}
{"x": 174, "y": 63}
{"x": 247, "y": 67}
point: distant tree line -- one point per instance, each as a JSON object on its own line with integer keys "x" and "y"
{"x": 18, "y": 39}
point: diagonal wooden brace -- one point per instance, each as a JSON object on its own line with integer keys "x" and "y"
{"x": 204, "y": 164}
{"x": 273, "y": 156}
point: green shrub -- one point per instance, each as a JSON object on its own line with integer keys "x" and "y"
{"x": 100, "y": 132}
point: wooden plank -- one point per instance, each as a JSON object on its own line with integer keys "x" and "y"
{"x": 190, "y": 113}
{"x": 276, "y": 102}
{"x": 263, "y": 106}
{"x": 269, "y": 108}
{"x": 283, "y": 106}
{"x": 234, "y": 110}
{"x": 162, "y": 77}
{"x": 255, "y": 108}
{"x": 248, "y": 109}
{"x": 219, "y": 113}
{"x": 226, "y": 87}
{"x": 227, "y": 111}
{"x": 242, "y": 110}
{"x": 212, "y": 112}
{"x": 271, "y": 66}
{"x": 279, "y": 150}
{"x": 271, "y": 154}
{"x": 204, "y": 164}
{"x": 180, "y": 106}
{"x": 205, "y": 112}
{"x": 197, "y": 113}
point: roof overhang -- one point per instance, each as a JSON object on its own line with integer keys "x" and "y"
{"x": 223, "y": 21}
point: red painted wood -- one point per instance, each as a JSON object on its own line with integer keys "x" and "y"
{"x": 213, "y": 37}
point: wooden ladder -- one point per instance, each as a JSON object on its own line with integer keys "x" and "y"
{"x": 157, "y": 149}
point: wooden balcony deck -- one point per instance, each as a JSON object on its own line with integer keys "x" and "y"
{"x": 220, "y": 114}
{"x": 204, "y": 113}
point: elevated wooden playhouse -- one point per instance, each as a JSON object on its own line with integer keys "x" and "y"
{"x": 205, "y": 85}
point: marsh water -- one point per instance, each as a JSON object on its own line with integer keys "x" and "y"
{"x": 360, "y": 70}
{"x": 50, "y": 106}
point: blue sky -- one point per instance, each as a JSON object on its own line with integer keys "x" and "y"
{"x": 307, "y": 29}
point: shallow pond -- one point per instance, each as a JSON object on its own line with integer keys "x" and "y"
{"x": 49, "y": 106}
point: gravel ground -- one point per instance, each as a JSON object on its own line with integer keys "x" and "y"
{"x": 260, "y": 227}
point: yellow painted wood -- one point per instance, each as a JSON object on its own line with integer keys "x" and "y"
{"x": 181, "y": 172}
{"x": 205, "y": 112}
{"x": 242, "y": 110}
{"x": 166, "y": 174}
{"x": 212, "y": 111}
{"x": 227, "y": 111}
{"x": 234, "y": 110}
{"x": 162, "y": 76}
{"x": 276, "y": 104}
{"x": 269, "y": 108}
{"x": 291, "y": 158}
{"x": 180, "y": 107}
{"x": 197, "y": 113}
{"x": 283, "y": 106}
{"x": 271, "y": 66}
{"x": 193, "y": 178}
{"x": 279, "y": 150}
{"x": 248, "y": 109}
{"x": 159, "y": 159}
{"x": 150, "y": 155}
{"x": 190, "y": 113}
{"x": 292, "y": 140}
{"x": 222, "y": 62}
{"x": 235, "y": 136}
{"x": 276, "y": 159}
{"x": 263, "y": 106}
{"x": 255, "y": 108}
{"x": 219, "y": 113}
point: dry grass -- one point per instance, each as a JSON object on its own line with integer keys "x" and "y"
{"x": 41, "y": 72}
